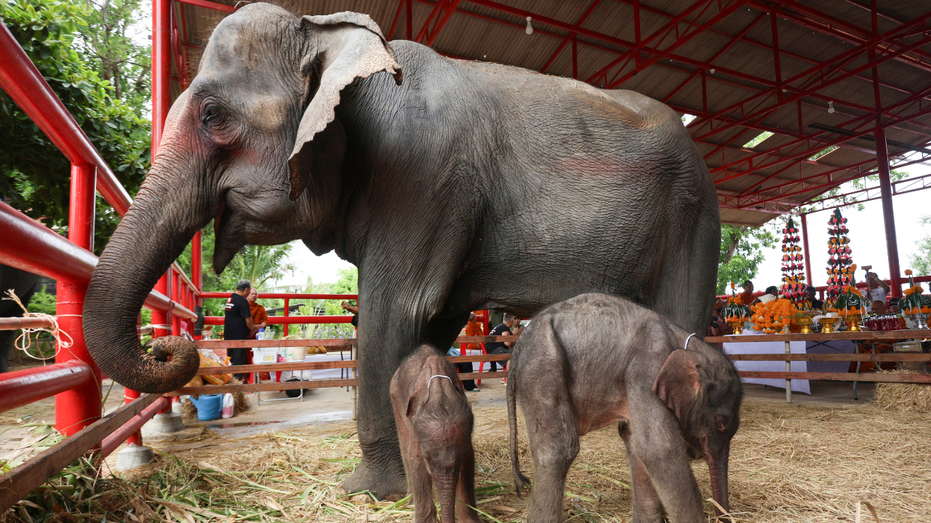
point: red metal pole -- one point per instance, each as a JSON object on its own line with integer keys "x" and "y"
{"x": 161, "y": 102}
{"x": 131, "y": 428}
{"x": 287, "y": 310}
{"x": 197, "y": 263}
{"x": 79, "y": 407}
{"x": 175, "y": 296}
{"x": 807, "y": 252}
{"x": 885, "y": 188}
{"x": 23, "y": 387}
{"x": 136, "y": 437}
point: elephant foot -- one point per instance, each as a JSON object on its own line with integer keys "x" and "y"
{"x": 382, "y": 481}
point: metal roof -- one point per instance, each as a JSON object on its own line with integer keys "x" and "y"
{"x": 741, "y": 67}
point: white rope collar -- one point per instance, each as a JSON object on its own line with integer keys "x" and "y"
{"x": 687, "y": 341}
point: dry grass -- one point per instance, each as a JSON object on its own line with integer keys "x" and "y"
{"x": 904, "y": 397}
{"x": 789, "y": 463}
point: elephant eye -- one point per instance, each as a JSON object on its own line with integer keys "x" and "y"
{"x": 211, "y": 112}
{"x": 720, "y": 423}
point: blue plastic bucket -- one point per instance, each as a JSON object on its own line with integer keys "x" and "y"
{"x": 209, "y": 406}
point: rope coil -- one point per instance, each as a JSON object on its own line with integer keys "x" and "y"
{"x": 24, "y": 341}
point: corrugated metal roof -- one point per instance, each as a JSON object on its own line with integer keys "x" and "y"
{"x": 725, "y": 73}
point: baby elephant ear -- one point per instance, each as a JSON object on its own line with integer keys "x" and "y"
{"x": 346, "y": 46}
{"x": 678, "y": 381}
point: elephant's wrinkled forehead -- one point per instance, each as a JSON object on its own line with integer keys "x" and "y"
{"x": 251, "y": 42}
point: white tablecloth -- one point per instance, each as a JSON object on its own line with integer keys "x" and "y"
{"x": 770, "y": 347}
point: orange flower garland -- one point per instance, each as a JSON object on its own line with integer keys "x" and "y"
{"x": 850, "y": 302}
{"x": 770, "y": 317}
{"x": 735, "y": 310}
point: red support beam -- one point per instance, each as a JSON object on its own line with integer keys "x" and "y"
{"x": 223, "y": 8}
{"x": 573, "y": 36}
{"x": 80, "y": 406}
{"x": 807, "y": 250}
{"x": 394, "y": 21}
{"x": 410, "y": 19}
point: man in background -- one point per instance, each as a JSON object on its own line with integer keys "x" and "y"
{"x": 501, "y": 347}
{"x": 237, "y": 324}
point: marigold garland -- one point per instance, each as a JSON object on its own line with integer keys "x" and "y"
{"x": 772, "y": 316}
{"x": 735, "y": 310}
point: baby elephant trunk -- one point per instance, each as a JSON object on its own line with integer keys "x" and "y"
{"x": 717, "y": 466}
{"x": 446, "y": 482}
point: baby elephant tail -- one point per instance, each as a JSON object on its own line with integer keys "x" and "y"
{"x": 520, "y": 480}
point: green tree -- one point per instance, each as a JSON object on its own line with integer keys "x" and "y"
{"x": 36, "y": 175}
{"x": 741, "y": 253}
{"x": 921, "y": 261}
{"x": 111, "y": 51}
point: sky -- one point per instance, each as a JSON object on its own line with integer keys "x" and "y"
{"x": 867, "y": 242}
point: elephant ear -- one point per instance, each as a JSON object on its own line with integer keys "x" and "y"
{"x": 347, "y": 46}
{"x": 678, "y": 382}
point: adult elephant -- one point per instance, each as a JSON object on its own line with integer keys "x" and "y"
{"x": 24, "y": 284}
{"x": 468, "y": 185}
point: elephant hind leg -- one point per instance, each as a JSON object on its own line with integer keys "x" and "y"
{"x": 554, "y": 441}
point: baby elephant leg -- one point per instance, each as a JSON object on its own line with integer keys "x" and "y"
{"x": 554, "y": 441}
{"x": 656, "y": 440}
{"x": 647, "y": 506}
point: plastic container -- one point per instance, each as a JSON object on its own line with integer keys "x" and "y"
{"x": 265, "y": 355}
{"x": 261, "y": 334}
{"x": 228, "y": 403}
{"x": 209, "y": 406}
{"x": 296, "y": 353}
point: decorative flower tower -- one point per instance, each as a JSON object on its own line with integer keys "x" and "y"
{"x": 840, "y": 270}
{"x": 793, "y": 266}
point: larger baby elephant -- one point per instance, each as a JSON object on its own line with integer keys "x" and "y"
{"x": 594, "y": 360}
{"x": 435, "y": 427}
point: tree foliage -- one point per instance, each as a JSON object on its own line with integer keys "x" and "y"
{"x": 921, "y": 261}
{"x": 741, "y": 253}
{"x": 111, "y": 51}
{"x": 36, "y": 175}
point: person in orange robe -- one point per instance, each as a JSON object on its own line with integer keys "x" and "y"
{"x": 473, "y": 328}
{"x": 259, "y": 320}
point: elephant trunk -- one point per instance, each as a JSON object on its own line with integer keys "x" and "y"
{"x": 717, "y": 466}
{"x": 147, "y": 241}
{"x": 446, "y": 489}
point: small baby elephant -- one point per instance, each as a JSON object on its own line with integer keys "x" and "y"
{"x": 594, "y": 360}
{"x": 435, "y": 428}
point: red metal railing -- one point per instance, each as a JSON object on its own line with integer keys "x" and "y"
{"x": 74, "y": 380}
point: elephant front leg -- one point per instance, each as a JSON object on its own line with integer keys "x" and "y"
{"x": 656, "y": 441}
{"x": 647, "y": 506}
{"x": 381, "y": 470}
{"x": 554, "y": 441}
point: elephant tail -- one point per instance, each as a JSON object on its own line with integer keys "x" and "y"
{"x": 520, "y": 480}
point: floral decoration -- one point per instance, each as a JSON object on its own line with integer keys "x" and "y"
{"x": 840, "y": 267}
{"x": 793, "y": 265}
{"x": 772, "y": 316}
{"x": 735, "y": 310}
{"x": 849, "y": 302}
{"x": 914, "y": 301}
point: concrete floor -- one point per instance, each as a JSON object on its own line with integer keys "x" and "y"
{"x": 326, "y": 405}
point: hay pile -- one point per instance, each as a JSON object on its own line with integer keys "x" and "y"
{"x": 904, "y": 397}
{"x": 789, "y": 463}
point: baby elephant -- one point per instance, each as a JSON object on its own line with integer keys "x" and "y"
{"x": 594, "y": 360}
{"x": 435, "y": 428}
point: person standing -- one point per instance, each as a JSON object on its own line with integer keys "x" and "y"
{"x": 877, "y": 290}
{"x": 237, "y": 324}
{"x": 501, "y": 347}
{"x": 258, "y": 313}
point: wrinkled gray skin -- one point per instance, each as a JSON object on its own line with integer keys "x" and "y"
{"x": 24, "y": 284}
{"x": 620, "y": 363}
{"x": 435, "y": 428}
{"x": 467, "y": 186}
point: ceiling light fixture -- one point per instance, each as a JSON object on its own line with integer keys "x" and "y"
{"x": 831, "y": 107}
{"x": 529, "y": 29}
